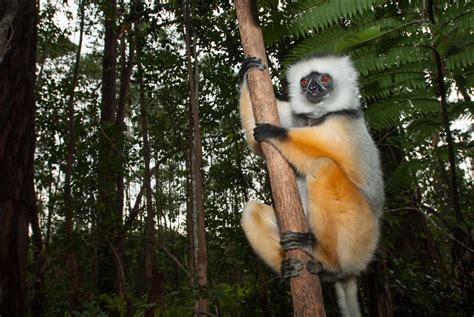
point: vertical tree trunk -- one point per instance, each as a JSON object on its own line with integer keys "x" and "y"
{"x": 305, "y": 289}
{"x": 190, "y": 212}
{"x": 17, "y": 109}
{"x": 150, "y": 240}
{"x": 38, "y": 294}
{"x": 202, "y": 304}
{"x": 50, "y": 208}
{"x": 108, "y": 215}
{"x": 127, "y": 63}
{"x": 154, "y": 278}
{"x": 73, "y": 276}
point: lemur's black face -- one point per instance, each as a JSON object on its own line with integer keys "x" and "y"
{"x": 315, "y": 86}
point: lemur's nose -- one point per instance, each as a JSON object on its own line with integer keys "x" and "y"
{"x": 313, "y": 86}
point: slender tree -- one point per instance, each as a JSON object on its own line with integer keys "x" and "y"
{"x": 202, "y": 304}
{"x": 305, "y": 289}
{"x": 154, "y": 278}
{"x": 73, "y": 276}
{"x": 107, "y": 205}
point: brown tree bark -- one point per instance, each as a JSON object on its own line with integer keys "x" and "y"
{"x": 107, "y": 213}
{"x": 110, "y": 166}
{"x": 17, "y": 109}
{"x": 73, "y": 276}
{"x": 202, "y": 304}
{"x": 305, "y": 289}
{"x": 38, "y": 294}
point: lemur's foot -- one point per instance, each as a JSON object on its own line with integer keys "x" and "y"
{"x": 248, "y": 64}
{"x": 297, "y": 240}
{"x": 291, "y": 267}
{"x": 314, "y": 267}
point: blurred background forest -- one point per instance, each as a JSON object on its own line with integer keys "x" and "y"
{"x": 141, "y": 169}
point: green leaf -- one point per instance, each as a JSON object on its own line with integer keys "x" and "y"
{"x": 359, "y": 38}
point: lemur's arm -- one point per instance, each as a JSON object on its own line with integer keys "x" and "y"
{"x": 303, "y": 146}
{"x": 246, "y": 111}
{"x": 247, "y": 118}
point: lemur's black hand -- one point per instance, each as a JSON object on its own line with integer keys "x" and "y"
{"x": 265, "y": 131}
{"x": 248, "y": 64}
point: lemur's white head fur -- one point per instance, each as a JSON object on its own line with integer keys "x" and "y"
{"x": 344, "y": 95}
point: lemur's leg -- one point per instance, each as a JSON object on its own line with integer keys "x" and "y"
{"x": 261, "y": 228}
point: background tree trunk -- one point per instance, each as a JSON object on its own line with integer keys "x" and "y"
{"x": 202, "y": 305}
{"x": 73, "y": 276}
{"x": 154, "y": 278}
{"x": 110, "y": 164}
{"x": 38, "y": 291}
{"x": 17, "y": 109}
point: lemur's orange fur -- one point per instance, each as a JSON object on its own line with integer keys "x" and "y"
{"x": 338, "y": 214}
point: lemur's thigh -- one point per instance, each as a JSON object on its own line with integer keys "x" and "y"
{"x": 260, "y": 226}
{"x": 323, "y": 208}
{"x": 340, "y": 217}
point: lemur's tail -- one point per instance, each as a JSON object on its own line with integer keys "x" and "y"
{"x": 346, "y": 291}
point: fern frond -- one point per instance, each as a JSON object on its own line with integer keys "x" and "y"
{"x": 421, "y": 129}
{"x": 395, "y": 111}
{"x": 318, "y": 17}
{"x": 469, "y": 77}
{"x": 459, "y": 14}
{"x": 377, "y": 61}
{"x": 319, "y": 43}
{"x": 465, "y": 58}
{"x": 395, "y": 80}
{"x": 461, "y": 110}
{"x": 327, "y": 41}
{"x": 404, "y": 177}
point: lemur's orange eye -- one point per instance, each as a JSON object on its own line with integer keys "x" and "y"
{"x": 325, "y": 79}
{"x": 304, "y": 82}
